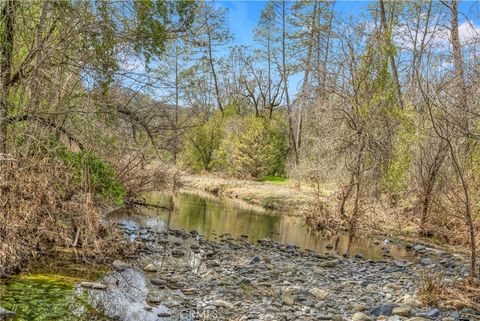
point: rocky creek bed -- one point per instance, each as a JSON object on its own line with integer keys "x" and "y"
{"x": 181, "y": 276}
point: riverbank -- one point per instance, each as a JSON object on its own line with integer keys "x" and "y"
{"x": 295, "y": 198}
{"x": 181, "y": 276}
{"x": 290, "y": 197}
{"x": 185, "y": 275}
{"x": 233, "y": 279}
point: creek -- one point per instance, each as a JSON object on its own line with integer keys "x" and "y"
{"x": 48, "y": 291}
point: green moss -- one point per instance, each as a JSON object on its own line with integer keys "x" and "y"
{"x": 55, "y": 278}
{"x": 42, "y": 297}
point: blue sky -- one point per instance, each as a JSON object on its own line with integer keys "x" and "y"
{"x": 244, "y": 14}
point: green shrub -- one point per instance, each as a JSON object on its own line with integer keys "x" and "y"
{"x": 201, "y": 144}
{"x": 253, "y": 147}
{"x": 395, "y": 174}
{"x": 90, "y": 171}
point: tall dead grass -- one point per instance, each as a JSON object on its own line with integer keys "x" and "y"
{"x": 42, "y": 210}
{"x": 434, "y": 291}
{"x": 320, "y": 217}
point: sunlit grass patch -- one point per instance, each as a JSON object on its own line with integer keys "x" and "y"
{"x": 277, "y": 180}
{"x": 50, "y": 278}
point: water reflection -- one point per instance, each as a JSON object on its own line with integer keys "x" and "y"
{"x": 213, "y": 217}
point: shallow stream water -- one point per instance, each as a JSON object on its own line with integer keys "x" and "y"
{"x": 49, "y": 293}
{"x": 214, "y": 217}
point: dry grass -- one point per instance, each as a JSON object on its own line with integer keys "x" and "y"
{"x": 41, "y": 211}
{"x": 320, "y": 217}
{"x": 433, "y": 291}
{"x": 140, "y": 175}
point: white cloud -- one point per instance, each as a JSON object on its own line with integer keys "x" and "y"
{"x": 469, "y": 33}
{"x": 438, "y": 36}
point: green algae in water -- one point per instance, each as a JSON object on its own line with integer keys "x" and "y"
{"x": 43, "y": 297}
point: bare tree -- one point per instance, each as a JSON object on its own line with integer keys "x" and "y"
{"x": 211, "y": 33}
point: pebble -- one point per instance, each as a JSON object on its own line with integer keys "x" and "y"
{"x": 237, "y": 280}
{"x": 403, "y": 310}
{"x": 385, "y": 309}
{"x": 360, "y": 307}
{"x": 318, "y": 293}
{"x": 359, "y": 316}
{"x": 329, "y": 264}
{"x": 432, "y": 313}
{"x": 223, "y": 304}
{"x": 410, "y": 301}
{"x": 93, "y": 285}
{"x": 150, "y": 268}
{"x": 120, "y": 265}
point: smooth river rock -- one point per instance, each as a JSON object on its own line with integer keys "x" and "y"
{"x": 432, "y": 313}
{"x": 150, "y": 268}
{"x": 385, "y": 309}
{"x": 223, "y": 304}
{"x": 410, "y": 301}
{"x": 359, "y": 316}
{"x": 120, "y": 265}
{"x": 318, "y": 293}
{"x": 93, "y": 285}
{"x": 403, "y": 310}
{"x": 5, "y": 314}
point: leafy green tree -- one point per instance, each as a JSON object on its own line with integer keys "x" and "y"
{"x": 202, "y": 143}
{"x": 253, "y": 147}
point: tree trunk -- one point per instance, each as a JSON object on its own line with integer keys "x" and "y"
{"x": 418, "y": 56}
{"x": 462, "y": 105}
{"x": 291, "y": 132}
{"x": 269, "y": 66}
{"x": 175, "y": 142}
{"x": 429, "y": 185}
{"x": 323, "y": 78}
{"x": 214, "y": 73}
{"x": 345, "y": 195}
{"x": 8, "y": 15}
{"x": 458, "y": 64}
{"x": 468, "y": 210}
{"x": 305, "y": 86}
{"x": 357, "y": 184}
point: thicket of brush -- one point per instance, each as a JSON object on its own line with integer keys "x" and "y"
{"x": 434, "y": 291}
{"x": 53, "y": 200}
{"x": 76, "y": 132}
{"x": 42, "y": 208}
